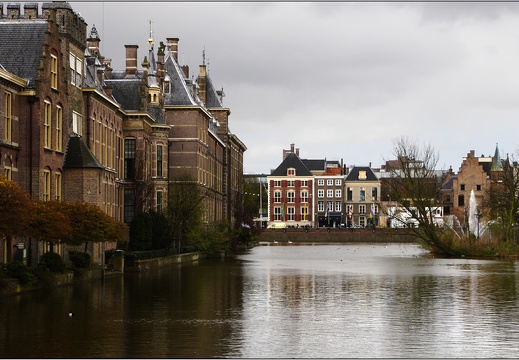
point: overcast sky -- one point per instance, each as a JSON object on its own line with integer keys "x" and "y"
{"x": 341, "y": 80}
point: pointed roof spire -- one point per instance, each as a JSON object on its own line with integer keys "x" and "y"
{"x": 150, "y": 39}
{"x": 497, "y": 165}
{"x": 93, "y": 32}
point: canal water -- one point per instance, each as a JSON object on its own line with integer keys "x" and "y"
{"x": 321, "y": 301}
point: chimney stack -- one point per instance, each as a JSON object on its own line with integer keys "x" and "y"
{"x": 202, "y": 82}
{"x": 131, "y": 60}
{"x": 173, "y": 47}
{"x": 185, "y": 69}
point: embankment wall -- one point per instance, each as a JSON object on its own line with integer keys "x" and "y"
{"x": 324, "y": 235}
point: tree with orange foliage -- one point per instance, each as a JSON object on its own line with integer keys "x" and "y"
{"x": 89, "y": 223}
{"x": 49, "y": 222}
{"x": 15, "y": 210}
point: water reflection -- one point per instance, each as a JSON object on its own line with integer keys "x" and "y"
{"x": 321, "y": 301}
{"x": 377, "y": 301}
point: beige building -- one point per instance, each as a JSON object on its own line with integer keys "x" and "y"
{"x": 362, "y": 197}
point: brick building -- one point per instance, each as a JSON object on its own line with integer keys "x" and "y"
{"x": 74, "y": 129}
{"x": 475, "y": 174}
{"x": 290, "y": 193}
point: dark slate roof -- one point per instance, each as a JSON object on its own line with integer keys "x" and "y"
{"x": 180, "y": 94}
{"x": 90, "y": 79}
{"x": 78, "y": 155}
{"x": 448, "y": 184}
{"x": 21, "y": 44}
{"x": 156, "y": 113}
{"x": 126, "y": 92}
{"x": 354, "y": 174}
{"x": 486, "y": 166}
{"x": 212, "y": 98}
{"x": 315, "y": 165}
{"x": 291, "y": 161}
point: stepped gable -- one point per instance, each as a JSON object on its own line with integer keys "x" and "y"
{"x": 354, "y": 174}
{"x": 22, "y": 43}
{"x": 78, "y": 155}
{"x": 291, "y": 161}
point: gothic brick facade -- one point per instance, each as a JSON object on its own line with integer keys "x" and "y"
{"x": 74, "y": 129}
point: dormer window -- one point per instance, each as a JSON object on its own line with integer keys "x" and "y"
{"x": 362, "y": 175}
{"x": 167, "y": 86}
{"x": 154, "y": 96}
{"x": 291, "y": 172}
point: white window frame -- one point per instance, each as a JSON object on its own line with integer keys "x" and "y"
{"x": 59, "y": 128}
{"x": 77, "y": 123}
{"x": 362, "y": 194}
{"x": 46, "y": 185}
{"x": 53, "y": 71}
{"x": 277, "y": 213}
{"x": 291, "y": 213}
{"x": 58, "y": 186}
{"x": 304, "y": 196}
{"x": 76, "y": 70}
{"x": 47, "y": 120}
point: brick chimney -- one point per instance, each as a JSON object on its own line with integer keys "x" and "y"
{"x": 107, "y": 63}
{"x": 131, "y": 60}
{"x": 202, "y": 82}
{"x": 160, "y": 61}
{"x": 185, "y": 69}
{"x": 173, "y": 47}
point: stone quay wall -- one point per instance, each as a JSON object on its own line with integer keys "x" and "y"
{"x": 330, "y": 235}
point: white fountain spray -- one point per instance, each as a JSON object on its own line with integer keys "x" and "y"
{"x": 473, "y": 210}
